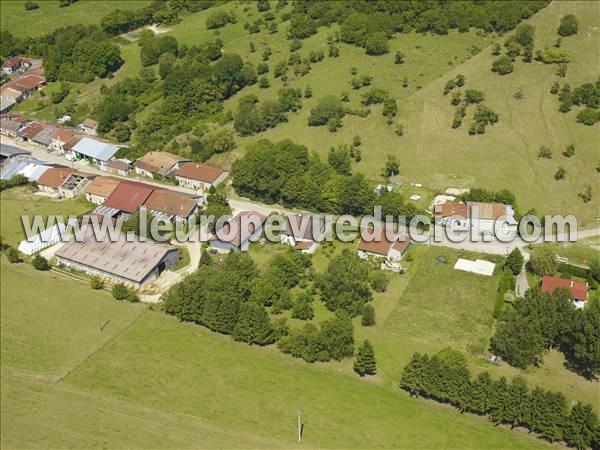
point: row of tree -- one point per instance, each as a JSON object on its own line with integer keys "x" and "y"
{"x": 445, "y": 377}
{"x": 286, "y": 172}
{"x": 542, "y": 321}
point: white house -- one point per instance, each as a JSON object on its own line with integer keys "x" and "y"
{"x": 198, "y": 176}
{"x": 89, "y": 126}
{"x": 482, "y": 217}
{"x": 163, "y": 164}
{"x": 237, "y": 234}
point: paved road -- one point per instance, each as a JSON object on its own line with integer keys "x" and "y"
{"x": 492, "y": 247}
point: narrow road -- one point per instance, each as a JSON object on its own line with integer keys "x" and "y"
{"x": 522, "y": 285}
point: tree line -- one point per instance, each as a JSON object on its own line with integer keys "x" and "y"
{"x": 286, "y": 172}
{"x": 446, "y": 378}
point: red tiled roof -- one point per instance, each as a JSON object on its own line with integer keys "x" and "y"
{"x": 73, "y": 142}
{"x": 170, "y": 203}
{"x": 27, "y": 82}
{"x": 12, "y": 61}
{"x": 158, "y": 162}
{"x": 128, "y": 197}
{"x": 234, "y": 226}
{"x": 200, "y": 172}
{"x": 578, "y": 289}
{"x": 451, "y": 209}
{"x": 118, "y": 164}
{"x": 381, "y": 246}
{"x": 304, "y": 245}
{"x": 64, "y": 134}
{"x": 90, "y": 123}
{"x": 31, "y": 130}
{"x": 55, "y": 176}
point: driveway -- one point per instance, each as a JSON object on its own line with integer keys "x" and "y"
{"x": 522, "y": 285}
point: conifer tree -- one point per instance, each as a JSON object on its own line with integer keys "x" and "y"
{"x": 365, "y": 363}
{"x": 582, "y": 428}
{"x": 254, "y": 325}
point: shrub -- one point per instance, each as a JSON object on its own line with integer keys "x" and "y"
{"x": 121, "y": 292}
{"x": 96, "y": 282}
{"x": 474, "y": 96}
{"x": 29, "y": 6}
{"x": 554, "y": 56}
{"x": 13, "y": 255}
{"x": 560, "y": 173}
{"x": 502, "y": 65}
{"x": 379, "y": 280}
{"x": 40, "y": 263}
{"x": 568, "y": 25}
{"x": 545, "y": 152}
{"x": 368, "y": 316}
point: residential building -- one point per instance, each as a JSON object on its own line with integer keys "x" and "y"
{"x": 578, "y": 289}
{"x": 157, "y": 163}
{"x": 26, "y": 84}
{"x": 29, "y": 131}
{"x": 238, "y": 232}
{"x": 10, "y": 125}
{"x": 89, "y": 126}
{"x": 303, "y": 231}
{"x": 60, "y": 138}
{"x": 133, "y": 262}
{"x": 119, "y": 167}
{"x": 198, "y": 176}
{"x": 171, "y": 206}
{"x": 6, "y": 103}
{"x": 382, "y": 247}
{"x": 44, "y": 137}
{"x": 100, "y": 189}
{"x": 13, "y": 64}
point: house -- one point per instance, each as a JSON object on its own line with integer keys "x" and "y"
{"x": 198, "y": 176}
{"x": 481, "y": 216}
{"x": 63, "y": 181}
{"x": 303, "y": 232}
{"x": 127, "y": 198}
{"x": 158, "y": 163}
{"x": 44, "y": 137}
{"x": 9, "y": 93}
{"x": 13, "y": 64}
{"x": 89, "y": 126}
{"x": 170, "y": 206}
{"x": 100, "y": 189}
{"x": 96, "y": 151}
{"x": 29, "y": 131}
{"x": 67, "y": 147}
{"x": 6, "y": 103}
{"x": 578, "y": 289}
{"x": 10, "y": 153}
{"x": 60, "y": 138}
{"x": 382, "y": 247}
{"x": 10, "y": 125}
{"x": 238, "y": 232}
{"x": 119, "y": 167}
{"x": 134, "y": 262}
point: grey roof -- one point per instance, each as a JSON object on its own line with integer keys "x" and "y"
{"x": 10, "y": 125}
{"x": 130, "y": 260}
{"x": 44, "y": 137}
{"x": 93, "y": 148}
{"x": 6, "y": 103}
{"x": 11, "y": 169}
{"x": 8, "y": 151}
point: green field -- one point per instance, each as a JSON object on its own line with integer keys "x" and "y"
{"x": 22, "y": 201}
{"x": 49, "y": 16}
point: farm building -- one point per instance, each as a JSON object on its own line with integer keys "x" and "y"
{"x": 578, "y": 289}
{"x": 135, "y": 262}
{"x": 100, "y": 189}
{"x": 95, "y": 151}
{"x": 127, "y": 198}
{"x": 10, "y": 153}
{"x": 480, "y": 216}
{"x": 238, "y": 232}
{"x": 63, "y": 182}
{"x": 303, "y": 232}
{"x": 158, "y": 163}
{"x": 382, "y": 247}
{"x": 199, "y": 176}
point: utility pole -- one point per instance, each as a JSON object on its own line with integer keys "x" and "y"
{"x": 299, "y": 428}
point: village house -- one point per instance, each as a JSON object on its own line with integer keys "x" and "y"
{"x": 60, "y": 138}
{"x": 302, "y": 232}
{"x": 7, "y": 102}
{"x": 157, "y": 163}
{"x": 464, "y": 216}
{"x": 63, "y": 182}
{"x": 44, "y": 137}
{"x": 89, "y": 126}
{"x": 578, "y": 289}
{"x": 96, "y": 151}
{"x": 29, "y": 131}
{"x": 119, "y": 167}
{"x": 198, "y": 176}
{"x": 134, "y": 262}
{"x": 25, "y": 85}
{"x": 237, "y": 233}
{"x": 13, "y": 64}
{"x": 11, "y": 124}
{"x": 100, "y": 189}
{"x": 381, "y": 247}
{"x": 170, "y": 206}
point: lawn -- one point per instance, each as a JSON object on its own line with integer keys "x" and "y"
{"x": 581, "y": 252}
{"x": 49, "y": 16}
{"x": 22, "y": 201}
